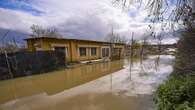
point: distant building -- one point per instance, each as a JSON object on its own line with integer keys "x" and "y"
{"x": 77, "y": 50}
{"x": 149, "y": 49}
{"x": 163, "y": 46}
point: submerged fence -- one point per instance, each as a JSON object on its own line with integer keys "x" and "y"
{"x": 28, "y": 63}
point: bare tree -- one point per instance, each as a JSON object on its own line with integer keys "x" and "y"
{"x": 184, "y": 10}
{"x": 115, "y": 38}
{"x": 143, "y": 44}
{"x": 8, "y": 46}
{"x": 38, "y": 31}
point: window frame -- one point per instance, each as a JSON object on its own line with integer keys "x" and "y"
{"x": 82, "y": 54}
{"x": 93, "y": 49}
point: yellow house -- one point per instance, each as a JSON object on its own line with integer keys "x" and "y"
{"x": 77, "y": 50}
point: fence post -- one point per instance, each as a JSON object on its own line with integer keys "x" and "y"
{"x": 8, "y": 65}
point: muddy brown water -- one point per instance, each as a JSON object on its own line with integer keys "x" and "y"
{"x": 116, "y": 85}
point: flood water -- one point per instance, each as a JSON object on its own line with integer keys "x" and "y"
{"x": 117, "y": 85}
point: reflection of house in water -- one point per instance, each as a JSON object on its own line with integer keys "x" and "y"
{"x": 57, "y": 81}
{"x": 77, "y": 50}
{"x": 105, "y": 67}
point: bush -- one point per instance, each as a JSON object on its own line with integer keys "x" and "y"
{"x": 185, "y": 106}
{"x": 176, "y": 94}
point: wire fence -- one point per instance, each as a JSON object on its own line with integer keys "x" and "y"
{"x": 20, "y": 64}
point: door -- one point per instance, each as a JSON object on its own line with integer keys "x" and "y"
{"x": 61, "y": 49}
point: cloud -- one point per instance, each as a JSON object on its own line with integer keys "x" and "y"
{"x": 83, "y": 19}
{"x": 19, "y": 21}
{"x": 21, "y": 5}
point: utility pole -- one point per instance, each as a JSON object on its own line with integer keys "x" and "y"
{"x": 131, "y": 57}
{"x": 132, "y": 44}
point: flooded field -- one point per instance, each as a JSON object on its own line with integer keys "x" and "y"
{"x": 117, "y": 85}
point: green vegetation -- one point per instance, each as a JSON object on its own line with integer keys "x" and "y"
{"x": 178, "y": 92}
{"x": 136, "y": 44}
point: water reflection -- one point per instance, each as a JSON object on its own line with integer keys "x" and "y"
{"x": 145, "y": 67}
{"x": 90, "y": 87}
{"x": 55, "y": 82}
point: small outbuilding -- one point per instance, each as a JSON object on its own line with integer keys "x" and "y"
{"x": 77, "y": 50}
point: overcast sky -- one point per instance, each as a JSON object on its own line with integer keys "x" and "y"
{"x": 83, "y": 19}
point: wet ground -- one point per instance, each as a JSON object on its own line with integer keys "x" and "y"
{"x": 117, "y": 85}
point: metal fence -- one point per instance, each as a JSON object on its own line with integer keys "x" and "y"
{"x": 28, "y": 63}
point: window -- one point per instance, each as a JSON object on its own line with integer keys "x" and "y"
{"x": 105, "y": 52}
{"x": 82, "y": 51}
{"x": 93, "y": 51}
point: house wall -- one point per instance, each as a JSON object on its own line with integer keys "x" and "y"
{"x": 122, "y": 50}
{"x": 72, "y": 47}
{"x": 86, "y": 45}
{"x": 30, "y": 45}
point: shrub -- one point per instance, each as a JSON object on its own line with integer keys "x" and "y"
{"x": 176, "y": 94}
{"x": 185, "y": 106}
